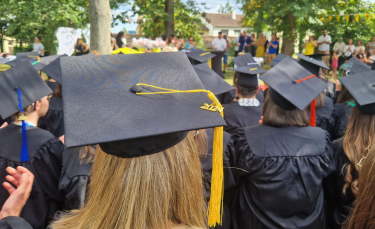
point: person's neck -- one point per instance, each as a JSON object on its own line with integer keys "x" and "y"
{"x": 31, "y": 118}
{"x": 242, "y": 97}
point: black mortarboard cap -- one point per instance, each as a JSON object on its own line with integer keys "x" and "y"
{"x": 311, "y": 64}
{"x": 29, "y": 83}
{"x": 49, "y": 59}
{"x": 354, "y": 66}
{"x": 244, "y": 60}
{"x": 278, "y": 59}
{"x": 33, "y": 61}
{"x": 210, "y": 80}
{"x": 291, "y": 85}
{"x": 318, "y": 56}
{"x": 248, "y": 75}
{"x": 32, "y": 55}
{"x": 134, "y": 125}
{"x": 53, "y": 70}
{"x": 200, "y": 56}
{"x": 362, "y": 88}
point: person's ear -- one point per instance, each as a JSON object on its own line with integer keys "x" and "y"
{"x": 37, "y": 105}
{"x": 236, "y": 90}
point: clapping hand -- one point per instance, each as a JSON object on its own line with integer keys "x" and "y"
{"x": 23, "y": 179}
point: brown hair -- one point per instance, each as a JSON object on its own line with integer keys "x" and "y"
{"x": 344, "y": 96}
{"x": 169, "y": 39}
{"x": 363, "y": 215}
{"x": 161, "y": 190}
{"x": 274, "y": 115}
{"x": 319, "y": 102}
{"x": 201, "y": 142}
{"x": 235, "y": 76}
{"x": 26, "y": 110}
{"x": 88, "y": 153}
{"x": 358, "y": 139}
{"x": 57, "y": 93}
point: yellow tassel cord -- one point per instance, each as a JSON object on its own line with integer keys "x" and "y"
{"x": 210, "y": 63}
{"x": 215, "y": 213}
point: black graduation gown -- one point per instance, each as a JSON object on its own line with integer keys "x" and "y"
{"x": 13, "y": 222}
{"x": 228, "y": 149}
{"x": 338, "y": 205}
{"x": 325, "y": 116}
{"x": 343, "y": 112}
{"x": 227, "y": 97}
{"x": 238, "y": 117}
{"x": 282, "y": 185}
{"x": 74, "y": 180}
{"x": 45, "y": 162}
{"x": 53, "y": 121}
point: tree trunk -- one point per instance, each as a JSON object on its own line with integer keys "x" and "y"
{"x": 100, "y": 26}
{"x": 289, "y": 38}
{"x": 169, "y": 24}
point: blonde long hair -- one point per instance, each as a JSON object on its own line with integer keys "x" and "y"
{"x": 359, "y": 137}
{"x": 162, "y": 190}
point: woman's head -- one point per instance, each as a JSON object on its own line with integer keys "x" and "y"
{"x": 344, "y": 96}
{"x": 363, "y": 215}
{"x": 350, "y": 42}
{"x": 337, "y": 52}
{"x": 358, "y": 139}
{"x": 311, "y": 38}
{"x": 359, "y": 43}
{"x": 274, "y": 115}
{"x": 362, "y": 50}
{"x": 120, "y": 35}
{"x": 57, "y": 93}
{"x": 36, "y": 110}
{"x": 170, "y": 39}
{"x": 261, "y": 36}
{"x": 191, "y": 40}
{"x": 79, "y": 41}
{"x": 38, "y": 39}
{"x": 160, "y": 190}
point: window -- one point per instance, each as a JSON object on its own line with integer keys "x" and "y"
{"x": 10, "y": 43}
{"x": 202, "y": 34}
{"x": 237, "y": 32}
{"x": 224, "y": 31}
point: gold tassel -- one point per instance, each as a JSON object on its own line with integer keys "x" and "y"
{"x": 356, "y": 16}
{"x": 347, "y": 18}
{"x": 210, "y": 63}
{"x": 338, "y": 18}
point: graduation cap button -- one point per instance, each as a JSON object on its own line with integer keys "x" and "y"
{"x": 136, "y": 88}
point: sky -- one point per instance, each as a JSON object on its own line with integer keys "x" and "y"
{"x": 213, "y": 6}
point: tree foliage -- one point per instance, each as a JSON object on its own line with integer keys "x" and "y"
{"x": 187, "y": 17}
{"x": 226, "y": 9}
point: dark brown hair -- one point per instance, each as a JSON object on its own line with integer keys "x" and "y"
{"x": 235, "y": 76}
{"x": 169, "y": 39}
{"x": 274, "y": 115}
{"x": 247, "y": 92}
{"x": 344, "y": 96}
{"x": 57, "y": 93}
{"x": 88, "y": 153}
{"x": 358, "y": 139}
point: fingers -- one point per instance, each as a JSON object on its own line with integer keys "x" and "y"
{"x": 29, "y": 174}
{"x": 14, "y": 173}
{"x": 12, "y": 180}
{"x": 26, "y": 184}
{"x": 9, "y": 187}
{"x": 4, "y": 125}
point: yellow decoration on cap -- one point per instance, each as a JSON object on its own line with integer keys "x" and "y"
{"x": 215, "y": 214}
{"x": 203, "y": 54}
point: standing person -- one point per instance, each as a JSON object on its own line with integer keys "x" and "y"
{"x": 237, "y": 45}
{"x": 359, "y": 47}
{"x": 22, "y": 143}
{"x": 349, "y": 49}
{"x": 80, "y": 48}
{"x": 335, "y": 63}
{"x": 38, "y": 46}
{"x": 339, "y": 46}
{"x": 225, "y": 59}
{"x": 283, "y": 161}
{"x": 244, "y": 40}
{"x": 113, "y": 43}
{"x": 191, "y": 45}
{"x": 119, "y": 42}
{"x": 371, "y": 45}
{"x": 323, "y": 47}
{"x": 342, "y": 185}
{"x": 253, "y": 44}
{"x": 272, "y": 48}
{"x": 260, "y": 45}
{"x": 310, "y": 45}
{"x": 219, "y": 43}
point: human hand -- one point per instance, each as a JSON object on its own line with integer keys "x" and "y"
{"x": 4, "y": 125}
{"x": 62, "y": 138}
{"x": 261, "y": 120}
{"x": 23, "y": 179}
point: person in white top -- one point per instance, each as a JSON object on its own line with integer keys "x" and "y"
{"x": 237, "y": 45}
{"x": 219, "y": 43}
{"x": 339, "y": 46}
{"x": 371, "y": 45}
{"x": 323, "y": 47}
{"x": 349, "y": 49}
{"x": 359, "y": 47}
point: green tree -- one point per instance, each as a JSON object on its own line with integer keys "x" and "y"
{"x": 226, "y": 9}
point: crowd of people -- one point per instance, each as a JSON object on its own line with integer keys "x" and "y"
{"x": 160, "y": 140}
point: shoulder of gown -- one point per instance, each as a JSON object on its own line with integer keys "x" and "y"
{"x": 75, "y": 178}
{"x": 343, "y": 112}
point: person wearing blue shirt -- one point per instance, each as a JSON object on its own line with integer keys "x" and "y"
{"x": 191, "y": 45}
{"x": 272, "y": 48}
{"x": 244, "y": 40}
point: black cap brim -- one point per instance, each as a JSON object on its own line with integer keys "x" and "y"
{"x": 211, "y": 80}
